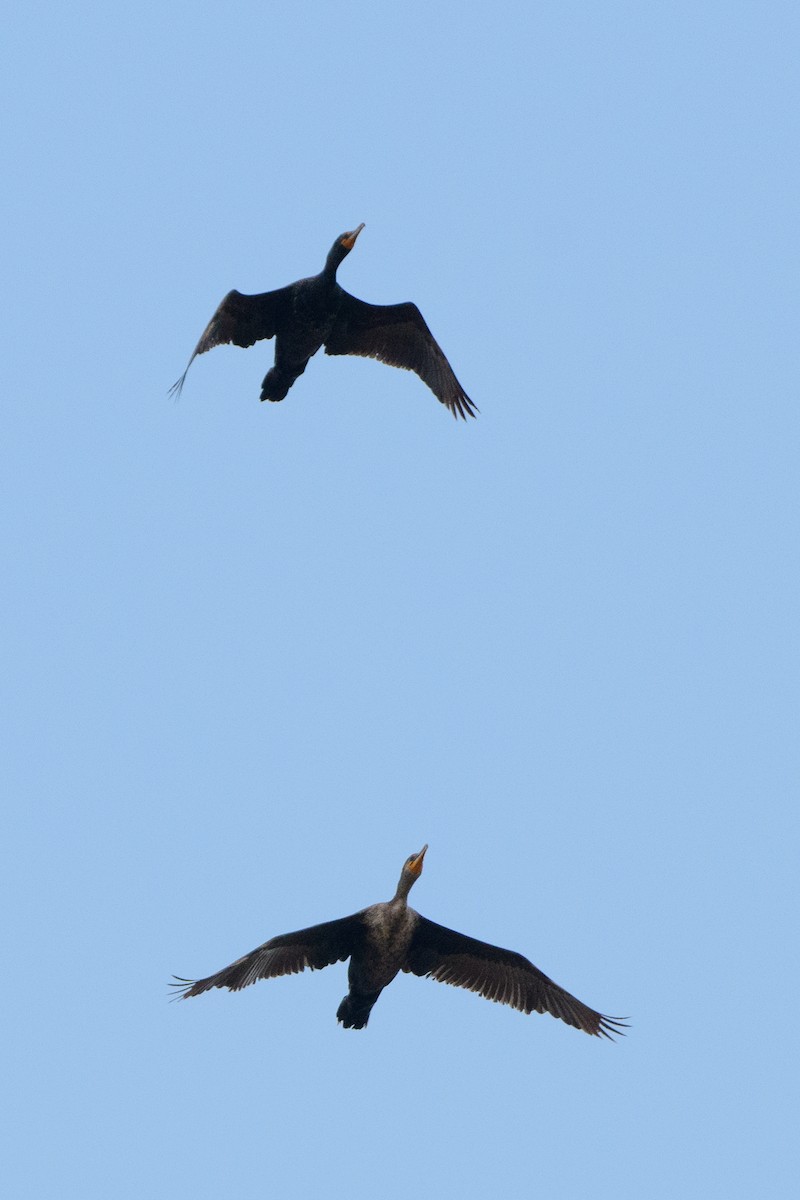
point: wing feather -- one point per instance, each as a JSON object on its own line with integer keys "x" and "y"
{"x": 239, "y": 320}
{"x": 396, "y": 334}
{"x": 500, "y": 975}
{"x": 314, "y": 948}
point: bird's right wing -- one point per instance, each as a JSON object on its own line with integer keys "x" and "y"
{"x": 289, "y": 953}
{"x": 396, "y": 334}
{"x": 240, "y": 320}
{"x": 501, "y": 975}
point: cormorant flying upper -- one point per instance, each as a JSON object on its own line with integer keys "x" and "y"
{"x": 318, "y": 312}
{"x": 387, "y": 938}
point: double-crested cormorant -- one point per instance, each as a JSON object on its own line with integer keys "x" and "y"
{"x": 387, "y": 938}
{"x": 318, "y": 312}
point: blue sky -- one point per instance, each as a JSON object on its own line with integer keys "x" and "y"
{"x": 258, "y": 654}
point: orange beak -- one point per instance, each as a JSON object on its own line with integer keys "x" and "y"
{"x": 415, "y": 866}
{"x": 349, "y": 239}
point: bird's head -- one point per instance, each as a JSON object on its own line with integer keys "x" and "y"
{"x": 348, "y": 240}
{"x": 413, "y": 863}
{"x": 412, "y": 869}
{"x": 342, "y": 247}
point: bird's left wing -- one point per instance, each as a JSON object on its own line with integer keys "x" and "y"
{"x": 240, "y": 320}
{"x": 397, "y": 335}
{"x": 501, "y": 975}
{"x": 289, "y": 953}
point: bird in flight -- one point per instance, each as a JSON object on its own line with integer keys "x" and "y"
{"x": 317, "y": 312}
{"x": 387, "y": 938}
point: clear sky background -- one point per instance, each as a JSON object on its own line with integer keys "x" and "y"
{"x": 256, "y": 654}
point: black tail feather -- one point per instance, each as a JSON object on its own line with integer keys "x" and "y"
{"x": 354, "y": 1010}
{"x": 278, "y": 381}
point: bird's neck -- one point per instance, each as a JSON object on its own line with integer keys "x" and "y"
{"x": 331, "y": 266}
{"x": 403, "y": 888}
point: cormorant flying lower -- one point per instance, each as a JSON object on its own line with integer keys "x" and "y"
{"x": 387, "y": 938}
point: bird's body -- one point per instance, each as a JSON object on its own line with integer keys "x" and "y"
{"x": 317, "y": 312}
{"x": 387, "y": 931}
{"x": 387, "y": 938}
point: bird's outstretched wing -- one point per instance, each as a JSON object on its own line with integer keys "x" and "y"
{"x": 397, "y": 335}
{"x": 500, "y": 975}
{"x": 287, "y": 954}
{"x": 240, "y": 320}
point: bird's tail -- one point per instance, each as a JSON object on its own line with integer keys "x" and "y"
{"x": 278, "y": 381}
{"x": 354, "y": 1010}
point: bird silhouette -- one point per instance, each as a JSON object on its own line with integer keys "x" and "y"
{"x": 317, "y": 312}
{"x": 387, "y": 938}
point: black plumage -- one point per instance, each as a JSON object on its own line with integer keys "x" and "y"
{"x": 387, "y": 938}
{"x": 317, "y": 312}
